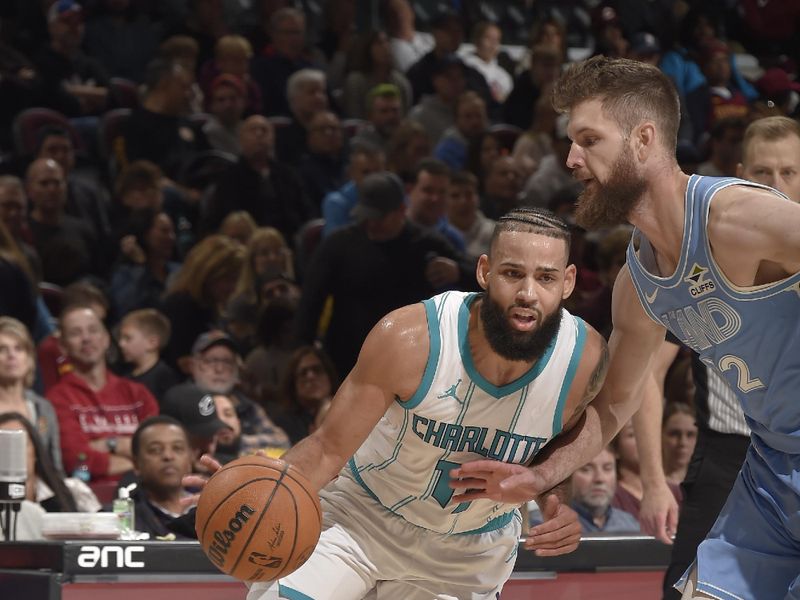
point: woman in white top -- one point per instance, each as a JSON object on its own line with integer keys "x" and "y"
{"x": 487, "y": 46}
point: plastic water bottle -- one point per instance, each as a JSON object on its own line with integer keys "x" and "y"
{"x": 81, "y": 470}
{"x": 124, "y": 509}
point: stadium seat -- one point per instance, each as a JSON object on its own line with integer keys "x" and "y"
{"x": 111, "y": 143}
{"x": 124, "y": 93}
{"x": 352, "y": 126}
{"x": 306, "y": 241}
{"x": 29, "y": 122}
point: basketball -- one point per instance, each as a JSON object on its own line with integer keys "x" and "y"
{"x": 258, "y": 519}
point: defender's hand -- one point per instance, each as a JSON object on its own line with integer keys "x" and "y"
{"x": 495, "y": 480}
{"x": 196, "y": 481}
{"x": 559, "y": 534}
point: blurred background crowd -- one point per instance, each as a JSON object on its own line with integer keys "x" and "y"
{"x": 205, "y": 205}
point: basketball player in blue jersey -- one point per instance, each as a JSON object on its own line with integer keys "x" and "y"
{"x": 456, "y": 378}
{"x": 716, "y": 261}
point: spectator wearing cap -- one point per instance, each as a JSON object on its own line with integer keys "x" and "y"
{"x": 216, "y": 365}
{"x": 74, "y": 84}
{"x": 776, "y": 86}
{"x": 232, "y": 56}
{"x": 381, "y": 262}
{"x": 194, "y": 408}
{"x": 363, "y": 160}
{"x": 226, "y": 105}
{"x": 162, "y": 456}
{"x": 385, "y": 110}
{"x": 436, "y": 111}
{"x": 97, "y": 411}
{"x": 645, "y": 47}
{"x": 259, "y": 184}
{"x": 771, "y": 155}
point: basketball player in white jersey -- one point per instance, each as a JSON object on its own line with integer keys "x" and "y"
{"x": 456, "y": 378}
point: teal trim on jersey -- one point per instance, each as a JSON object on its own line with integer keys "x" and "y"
{"x": 493, "y": 525}
{"x": 397, "y": 446}
{"x": 577, "y": 353}
{"x": 401, "y": 503}
{"x": 357, "y": 476}
{"x": 518, "y": 412}
{"x": 434, "y": 335}
{"x": 469, "y": 366}
{"x": 291, "y": 594}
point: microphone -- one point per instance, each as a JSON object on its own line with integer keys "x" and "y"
{"x": 13, "y": 465}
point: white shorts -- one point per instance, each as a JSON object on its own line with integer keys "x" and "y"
{"x": 367, "y": 552}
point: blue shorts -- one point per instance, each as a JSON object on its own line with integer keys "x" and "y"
{"x": 753, "y": 550}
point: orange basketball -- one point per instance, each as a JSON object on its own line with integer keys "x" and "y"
{"x": 258, "y": 519}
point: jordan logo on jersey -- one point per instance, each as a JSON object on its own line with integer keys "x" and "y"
{"x": 699, "y": 284}
{"x": 451, "y": 392}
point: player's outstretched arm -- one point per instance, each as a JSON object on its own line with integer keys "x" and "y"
{"x": 389, "y": 366}
{"x": 658, "y": 514}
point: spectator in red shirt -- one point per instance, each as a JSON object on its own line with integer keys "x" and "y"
{"x": 97, "y": 411}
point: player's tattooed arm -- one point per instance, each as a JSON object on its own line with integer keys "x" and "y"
{"x": 593, "y": 386}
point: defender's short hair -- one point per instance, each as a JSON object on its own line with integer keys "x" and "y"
{"x": 630, "y": 92}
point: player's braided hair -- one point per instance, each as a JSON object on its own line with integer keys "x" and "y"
{"x": 533, "y": 220}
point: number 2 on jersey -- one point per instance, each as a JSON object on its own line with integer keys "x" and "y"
{"x": 745, "y": 383}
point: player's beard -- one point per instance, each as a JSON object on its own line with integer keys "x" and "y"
{"x": 607, "y": 204}
{"x": 525, "y": 346}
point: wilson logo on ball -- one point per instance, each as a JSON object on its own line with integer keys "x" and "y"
{"x": 223, "y": 539}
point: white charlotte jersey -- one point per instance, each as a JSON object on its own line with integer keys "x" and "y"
{"x": 457, "y": 416}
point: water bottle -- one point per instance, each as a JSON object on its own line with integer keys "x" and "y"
{"x": 81, "y": 470}
{"x": 124, "y": 509}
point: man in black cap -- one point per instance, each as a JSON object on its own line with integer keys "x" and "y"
{"x": 194, "y": 408}
{"x": 373, "y": 266}
{"x": 216, "y": 365}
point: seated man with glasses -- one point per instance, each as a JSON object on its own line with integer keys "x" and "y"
{"x": 215, "y": 368}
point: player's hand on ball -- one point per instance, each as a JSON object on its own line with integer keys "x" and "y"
{"x": 659, "y": 513}
{"x": 560, "y": 533}
{"x": 495, "y": 480}
{"x": 196, "y": 481}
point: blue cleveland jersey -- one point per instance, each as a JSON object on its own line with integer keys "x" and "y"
{"x": 749, "y": 335}
{"x": 456, "y": 416}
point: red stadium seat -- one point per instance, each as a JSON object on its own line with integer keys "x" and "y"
{"x": 124, "y": 93}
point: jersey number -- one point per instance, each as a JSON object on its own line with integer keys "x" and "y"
{"x": 443, "y": 492}
{"x": 745, "y": 383}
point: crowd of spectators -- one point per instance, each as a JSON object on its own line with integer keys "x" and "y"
{"x": 206, "y": 205}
